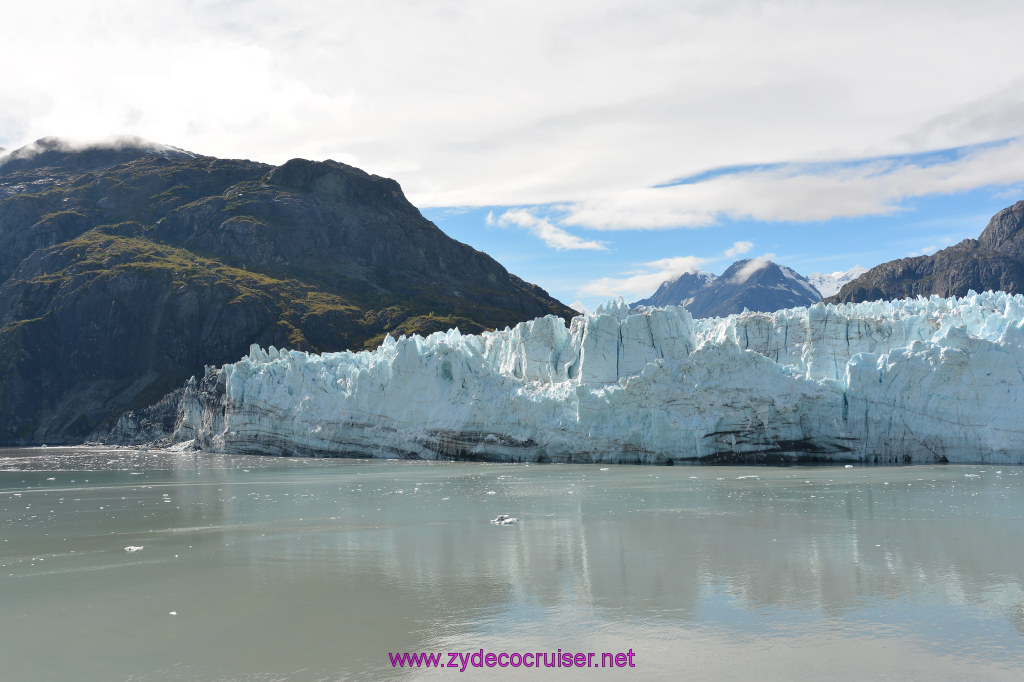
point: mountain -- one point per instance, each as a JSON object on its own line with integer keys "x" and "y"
{"x": 126, "y": 268}
{"x": 756, "y": 284}
{"x": 994, "y": 261}
{"x": 678, "y": 291}
{"x": 829, "y": 284}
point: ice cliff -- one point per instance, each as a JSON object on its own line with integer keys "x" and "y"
{"x": 914, "y": 380}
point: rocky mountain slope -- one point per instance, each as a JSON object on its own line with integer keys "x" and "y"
{"x": 126, "y": 268}
{"x": 755, "y": 284}
{"x": 678, "y": 291}
{"x": 994, "y": 261}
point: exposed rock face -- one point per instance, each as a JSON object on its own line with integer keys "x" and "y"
{"x": 678, "y": 291}
{"x": 755, "y": 284}
{"x": 126, "y": 268}
{"x": 992, "y": 262}
{"x": 154, "y": 423}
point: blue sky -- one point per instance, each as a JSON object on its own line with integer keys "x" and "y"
{"x": 591, "y": 265}
{"x": 593, "y": 147}
{"x": 635, "y": 261}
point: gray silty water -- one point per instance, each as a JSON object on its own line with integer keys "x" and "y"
{"x": 317, "y": 569}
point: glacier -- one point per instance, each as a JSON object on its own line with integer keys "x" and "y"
{"x": 917, "y": 380}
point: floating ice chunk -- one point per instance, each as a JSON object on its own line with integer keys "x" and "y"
{"x": 504, "y": 520}
{"x": 133, "y": 548}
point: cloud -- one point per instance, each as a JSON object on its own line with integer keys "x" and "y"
{"x": 499, "y": 104}
{"x": 801, "y": 192}
{"x": 993, "y": 116}
{"x": 555, "y": 237}
{"x": 738, "y": 248}
{"x": 115, "y": 143}
{"x": 641, "y": 282}
{"x": 750, "y": 267}
{"x": 925, "y": 250}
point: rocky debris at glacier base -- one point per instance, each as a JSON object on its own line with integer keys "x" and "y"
{"x": 925, "y": 380}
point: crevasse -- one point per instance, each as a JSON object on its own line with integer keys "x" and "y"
{"x": 914, "y": 380}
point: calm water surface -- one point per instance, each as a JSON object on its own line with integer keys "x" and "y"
{"x": 315, "y": 569}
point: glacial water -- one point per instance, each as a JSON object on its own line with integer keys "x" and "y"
{"x": 257, "y": 568}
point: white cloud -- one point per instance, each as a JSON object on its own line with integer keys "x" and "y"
{"x": 799, "y": 193}
{"x": 555, "y": 237}
{"x": 69, "y": 145}
{"x": 994, "y": 116}
{"x": 527, "y": 103}
{"x": 925, "y": 250}
{"x": 750, "y": 267}
{"x": 644, "y": 281}
{"x": 738, "y": 248}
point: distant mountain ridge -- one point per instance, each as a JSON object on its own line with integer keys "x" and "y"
{"x": 994, "y": 261}
{"x": 756, "y": 284}
{"x": 829, "y": 284}
{"x": 678, "y": 291}
{"x": 126, "y": 268}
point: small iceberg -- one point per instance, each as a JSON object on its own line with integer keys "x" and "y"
{"x": 504, "y": 520}
{"x": 133, "y": 548}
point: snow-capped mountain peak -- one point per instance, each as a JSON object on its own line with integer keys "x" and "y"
{"x": 829, "y": 284}
{"x": 750, "y": 284}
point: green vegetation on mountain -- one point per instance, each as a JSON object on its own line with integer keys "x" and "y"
{"x": 125, "y": 270}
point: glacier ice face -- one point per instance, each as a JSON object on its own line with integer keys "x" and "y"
{"x": 915, "y": 380}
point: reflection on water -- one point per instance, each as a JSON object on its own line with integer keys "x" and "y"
{"x": 316, "y": 569}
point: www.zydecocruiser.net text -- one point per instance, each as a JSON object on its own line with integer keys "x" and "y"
{"x": 462, "y": 660}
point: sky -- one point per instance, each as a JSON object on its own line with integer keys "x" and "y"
{"x": 597, "y": 147}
